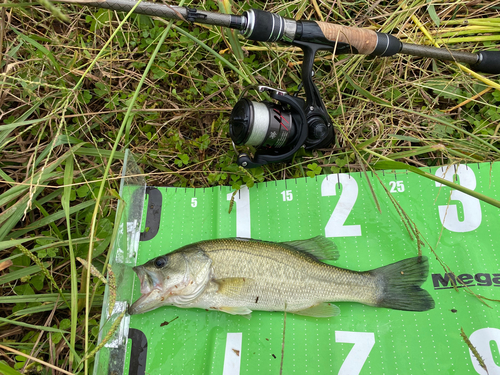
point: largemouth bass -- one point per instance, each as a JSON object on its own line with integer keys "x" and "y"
{"x": 238, "y": 276}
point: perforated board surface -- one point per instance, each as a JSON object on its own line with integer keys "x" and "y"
{"x": 463, "y": 232}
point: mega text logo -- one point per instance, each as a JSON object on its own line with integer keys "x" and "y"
{"x": 479, "y": 279}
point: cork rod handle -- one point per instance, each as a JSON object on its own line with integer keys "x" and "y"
{"x": 364, "y": 40}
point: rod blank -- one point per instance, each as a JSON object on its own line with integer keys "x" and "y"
{"x": 171, "y": 12}
{"x": 439, "y": 53}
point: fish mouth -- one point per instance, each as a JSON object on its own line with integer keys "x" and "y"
{"x": 146, "y": 302}
{"x": 151, "y": 292}
{"x": 148, "y": 280}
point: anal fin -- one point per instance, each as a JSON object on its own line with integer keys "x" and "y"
{"x": 245, "y": 311}
{"x": 323, "y": 310}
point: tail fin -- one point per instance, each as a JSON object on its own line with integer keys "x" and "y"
{"x": 401, "y": 285}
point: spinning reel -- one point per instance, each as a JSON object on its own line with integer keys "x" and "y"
{"x": 279, "y": 130}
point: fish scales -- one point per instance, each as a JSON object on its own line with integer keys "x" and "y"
{"x": 240, "y": 275}
{"x": 287, "y": 276}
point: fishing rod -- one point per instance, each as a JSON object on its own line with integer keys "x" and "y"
{"x": 278, "y": 130}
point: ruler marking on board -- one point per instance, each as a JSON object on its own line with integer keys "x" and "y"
{"x": 232, "y": 355}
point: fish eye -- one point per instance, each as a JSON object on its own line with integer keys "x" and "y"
{"x": 160, "y": 262}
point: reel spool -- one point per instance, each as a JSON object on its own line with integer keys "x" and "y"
{"x": 276, "y": 130}
{"x": 261, "y": 124}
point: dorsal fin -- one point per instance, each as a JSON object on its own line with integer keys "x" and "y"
{"x": 319, "y": 247}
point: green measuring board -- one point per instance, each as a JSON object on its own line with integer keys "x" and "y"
{"x": 463, "y": 231}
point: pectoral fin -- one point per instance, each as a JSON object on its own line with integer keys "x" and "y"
{"x": 323, "y": 310}
{"x": 233, "y": 286}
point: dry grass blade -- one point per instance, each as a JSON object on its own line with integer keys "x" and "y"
{"x": 283, "y": 342}
{"x": 17, "y": 352}
{"x": 473, "y": 350}
{"x": 5, "y": 264}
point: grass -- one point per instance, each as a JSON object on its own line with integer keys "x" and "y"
{"x": 80, "y": 85}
